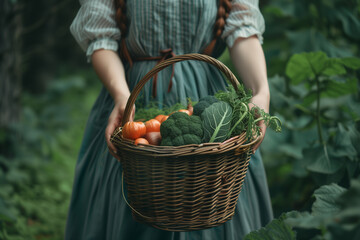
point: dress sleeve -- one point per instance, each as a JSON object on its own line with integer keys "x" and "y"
{"x": 245, "y": 20}
{"x": 94, "y": 26}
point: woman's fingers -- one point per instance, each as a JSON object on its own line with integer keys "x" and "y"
{"x": 262, "y": 130}
{"x": 262, "y": 102}
{"x": 113, "y": 122}
{"x": 108, "y": 132}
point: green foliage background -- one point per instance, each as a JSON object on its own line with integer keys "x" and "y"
{"x": 312, "y": 166}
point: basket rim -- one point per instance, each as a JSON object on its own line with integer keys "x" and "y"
{"x": 237, "y": 143}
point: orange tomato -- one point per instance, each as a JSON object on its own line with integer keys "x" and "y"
{"x": 159, "y": 117}
{"x": 133, "y": 130}
{"x": 152, "y": 125}
{"x": 141, "y": 140}
{"x": 185, "y": 111}
{"x": 164, "y": 119}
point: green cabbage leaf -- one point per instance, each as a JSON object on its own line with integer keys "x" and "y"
{"x": 216, "y": 122}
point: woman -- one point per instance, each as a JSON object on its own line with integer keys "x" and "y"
{"x": 97, "y": 209}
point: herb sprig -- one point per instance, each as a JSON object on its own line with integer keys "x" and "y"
{"x": 244, "y": 118}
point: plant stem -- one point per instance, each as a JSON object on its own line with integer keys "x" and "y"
{"x": 259, "y": 119}
{"x": 318, "y": 109}
{"x": 237, "y": 123}
{"x": 240, "y": 119}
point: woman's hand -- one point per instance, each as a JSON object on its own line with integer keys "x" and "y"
{"x": 261, "y": 101}
{"x": 115, "y": 120}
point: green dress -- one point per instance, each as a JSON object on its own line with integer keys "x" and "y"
{"x": 97, "y": 209}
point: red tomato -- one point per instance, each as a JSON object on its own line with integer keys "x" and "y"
{"x": 133, "y": 130}
{"x": 152, "y": 125}
{"x": 141, "y": 140}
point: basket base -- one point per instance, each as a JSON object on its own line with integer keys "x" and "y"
{"x": 181, "y": 226}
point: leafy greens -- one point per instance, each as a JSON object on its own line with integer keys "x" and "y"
{"x": 216, "y": 121}
{"x": 243, "y": 118}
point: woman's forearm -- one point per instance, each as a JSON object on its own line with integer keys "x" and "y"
{"x": 110, "y": 70}
{"x": 248, "y": 58}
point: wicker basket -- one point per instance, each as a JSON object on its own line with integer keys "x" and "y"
{"x": 183, "y": 188}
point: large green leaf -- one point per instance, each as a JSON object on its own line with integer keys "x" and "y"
{"x": 350, "y": 22}
{"x": 299, "y": 68}
{"x": 324, "y": 209}
{"x": 322, "y": 163}
{"x": 275, "y": 230}
{"x": 305, "y": 66}
{"x": 325, "y": 203}
{"x": 321, "y": 64}
{"x": 351, "y": 62}
{"x": 336, "y": 212}
{"x": 333, "y": 67}
{"x": 350, "y": 207}
{"x": 216, "y": 122}
{"x": 343, "y": 145}
{"x": 331, "y": 88}
{"x": 336, "y": 89}
{"x": 351, "y": 198}
{"x": 303, "y": 220}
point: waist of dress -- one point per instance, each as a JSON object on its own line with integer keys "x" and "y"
{"x": 164, "y": 54}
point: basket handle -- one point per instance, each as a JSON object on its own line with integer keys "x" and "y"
{"x": 191, "y": 56}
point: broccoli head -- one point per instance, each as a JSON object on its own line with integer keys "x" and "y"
{"x": 203, "y": 104}
{"x": 181, "y": 129}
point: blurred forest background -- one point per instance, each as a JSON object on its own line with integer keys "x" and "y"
{"x": 47, "y": 90}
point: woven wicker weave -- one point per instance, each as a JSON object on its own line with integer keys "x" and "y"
{"x": 183, "y": 188}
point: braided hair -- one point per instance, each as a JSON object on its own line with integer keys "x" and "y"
{"x": 222, "y": 15}
{"x": 120, "y": 17}
{"x": 122, "y": 22}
